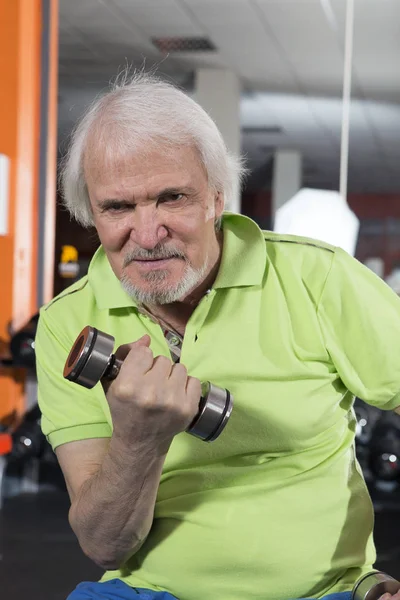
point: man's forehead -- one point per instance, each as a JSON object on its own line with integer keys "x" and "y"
{"x": 153, "y": 187}
{"x": 153, "y": 172}
{"x": 112, "y": 155}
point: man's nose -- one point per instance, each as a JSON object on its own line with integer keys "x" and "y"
{"x": 147, "y": 229}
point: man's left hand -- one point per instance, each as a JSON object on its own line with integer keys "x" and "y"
{"x": 391, "y": 596}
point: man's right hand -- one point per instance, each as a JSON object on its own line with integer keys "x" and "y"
{"x": 152, "y": 399}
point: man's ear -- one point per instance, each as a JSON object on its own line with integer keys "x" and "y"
{"x": 219, "y": 204}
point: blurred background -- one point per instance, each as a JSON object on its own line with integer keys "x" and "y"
{"x": 308, "y": 91}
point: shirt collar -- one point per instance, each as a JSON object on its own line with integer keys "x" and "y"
{"x": 242, "y": 264}
{"x": 244, "y": 253}
{"x": 106, "y": 287}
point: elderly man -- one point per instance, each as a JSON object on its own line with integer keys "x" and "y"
{"x": 276, "y": 507}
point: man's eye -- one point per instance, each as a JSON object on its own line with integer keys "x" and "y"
{"x": 171, "y": 198}
{"x": 117, "y": 207}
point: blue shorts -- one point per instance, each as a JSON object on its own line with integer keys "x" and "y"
{"x": 118, "y": 590}
{"x": 115, "y": 590}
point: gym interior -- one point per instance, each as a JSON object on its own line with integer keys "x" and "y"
{"x": 307, "y": 91}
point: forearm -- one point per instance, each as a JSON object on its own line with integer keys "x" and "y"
{"x": 113, "y": 512}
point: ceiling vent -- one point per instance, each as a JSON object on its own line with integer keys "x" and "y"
{"x": 184, "y": 44}
{"x": 274, "y": 129}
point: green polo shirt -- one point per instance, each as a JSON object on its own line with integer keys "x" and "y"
{"x": 277, "y": 507}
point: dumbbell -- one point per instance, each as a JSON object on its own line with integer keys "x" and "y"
{"x": 373, "y": 585}
{"x": 91, "y": 359}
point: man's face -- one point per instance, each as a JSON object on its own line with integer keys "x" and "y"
{"x": 155, "y": 215}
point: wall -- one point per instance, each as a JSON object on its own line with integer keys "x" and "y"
{"x": 20, "y": 38}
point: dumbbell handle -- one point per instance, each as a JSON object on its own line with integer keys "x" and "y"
{"x": 373, "y": 585}
{"x": 113, "y": 368}
{"x": 209, "y": 406}
{"x": 91, "y": 359}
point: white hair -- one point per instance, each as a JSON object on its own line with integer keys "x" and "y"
{"x": 139, "y": 112}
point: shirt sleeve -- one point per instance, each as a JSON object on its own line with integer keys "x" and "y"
{"x": 360, "y": 321}
{"x": 69, "y": 411}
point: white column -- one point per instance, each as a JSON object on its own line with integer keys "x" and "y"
{"x": 287, "y": 177}
{"x": 218, "y": 92}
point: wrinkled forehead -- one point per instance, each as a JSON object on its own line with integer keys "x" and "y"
{"x": 117, "y": 150}
{"x": 117, "y": 166}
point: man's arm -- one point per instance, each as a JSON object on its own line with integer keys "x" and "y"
{"x": 359, "y": 316}
{"x": 113, "y": 493}
{"x": 113, "y": 482}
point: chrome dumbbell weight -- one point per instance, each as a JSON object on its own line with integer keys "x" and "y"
{"x": 91, "y": 359}
{"x": 373, "y": 585}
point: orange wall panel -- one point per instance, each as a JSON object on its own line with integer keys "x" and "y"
{"x": 8, "y": 144}
{"x": 51, "y": 167}
{"x": 20, "y": 44}
{"x": 27, "y": 176}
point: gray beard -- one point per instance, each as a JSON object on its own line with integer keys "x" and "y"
{"x": 160, "y": 294}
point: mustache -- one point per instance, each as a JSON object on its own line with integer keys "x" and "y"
{"x": 156, "y": 253}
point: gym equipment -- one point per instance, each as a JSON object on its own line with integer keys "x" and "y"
{"x": 373, "y": 585}
{"x": 91, "y": 359}
{"x": 365, "y": 422}
{"x": 22, "y": 345}
{"x": 378, "y": 451}
{"x": 28, "y": 439}
{"x": 384, "y": 448}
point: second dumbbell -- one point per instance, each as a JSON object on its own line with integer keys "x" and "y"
{"x": 373, "y": 585}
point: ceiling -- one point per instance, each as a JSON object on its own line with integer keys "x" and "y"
{"x": 288, "y": 55}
